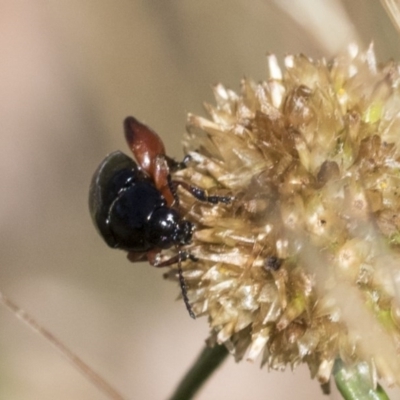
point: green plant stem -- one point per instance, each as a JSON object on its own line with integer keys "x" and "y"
{"x": 353, "y": 384}
{"x": 207, "y": 362}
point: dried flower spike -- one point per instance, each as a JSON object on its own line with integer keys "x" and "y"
{"x": 304, "y": 265}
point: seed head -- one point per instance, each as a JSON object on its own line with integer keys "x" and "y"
{"x": 304, "y": 264}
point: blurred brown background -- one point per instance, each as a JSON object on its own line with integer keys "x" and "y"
{"x": 70, "y": 71}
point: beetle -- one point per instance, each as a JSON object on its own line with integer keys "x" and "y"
{"x": 134, "y": 204}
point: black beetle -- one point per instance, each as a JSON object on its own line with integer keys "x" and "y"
{"x": 129, "y": 212}
{"x": 132, "y": 204}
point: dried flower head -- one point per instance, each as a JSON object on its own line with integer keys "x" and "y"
{"x": 304, "y": 265}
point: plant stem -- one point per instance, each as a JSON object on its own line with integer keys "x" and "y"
{"x": 99, "y": 382}
{"x": 354, "y": 384}
{"x": 207, "y": 362}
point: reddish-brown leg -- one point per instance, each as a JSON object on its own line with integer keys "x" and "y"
{"x": 144, "y": 143}
{"x": 162, "y": 179}
{"x": 149, "y": 151}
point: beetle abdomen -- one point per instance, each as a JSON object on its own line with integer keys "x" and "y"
{"x": 129, "y": 214}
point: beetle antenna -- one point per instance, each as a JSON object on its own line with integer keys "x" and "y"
{"x": 183, "y": 285}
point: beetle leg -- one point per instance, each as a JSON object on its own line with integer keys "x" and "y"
{"x": 178, "y": 165}
{"x": 152, "y": 257}
{"x": 202, "y": 195}
{"x": 162, "y": 180}
{"x": 144, "y": 143}
{"x": 137, "y": 257}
